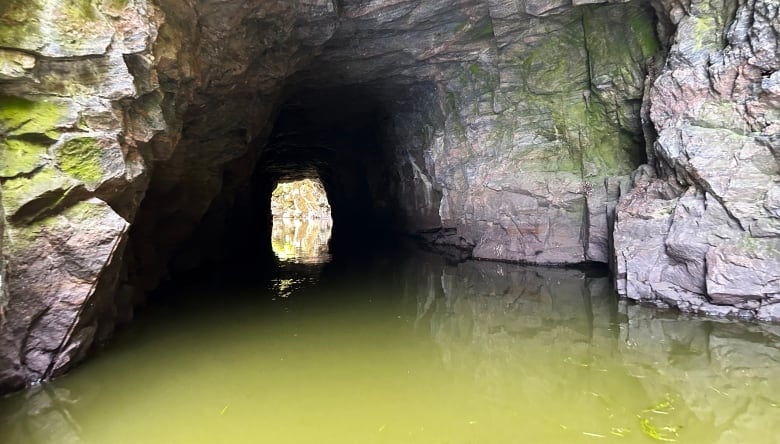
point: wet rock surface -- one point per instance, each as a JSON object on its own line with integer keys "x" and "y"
{"x": 511, "y": 127}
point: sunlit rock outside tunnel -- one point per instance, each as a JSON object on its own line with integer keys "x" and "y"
{"x": 499, "y": 190}
{"x": 301, "y": 221}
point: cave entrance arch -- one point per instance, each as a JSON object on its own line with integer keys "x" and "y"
{"x": 301, "y": 221}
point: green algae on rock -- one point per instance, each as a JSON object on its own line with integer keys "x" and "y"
{"x": 20, "y": 116}
{"x": 20, "y": 157}
{"x": 54, "y": 28}
{"x": 81, "y": 158}
{"x": 27, "y": 198}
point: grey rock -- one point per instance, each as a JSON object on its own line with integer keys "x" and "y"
{"x": 15, "y": 64}
{"x": 714, "y": 109}
{"x": 541, "y": 8}
{"x": 3, "y": 261}
{"x": 56, "y": 29}
{"x": 769, "y": 312}
{"x": 54, "y": 267}
{"x": 739, "y": 272}
{"x": 642, "y": 222}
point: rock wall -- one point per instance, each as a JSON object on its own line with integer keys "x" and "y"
{"x": 73, "y": 173}
{"x": 701, "y": 231}
{"x": 534, "y": 107}
{"x": 538, "y": 124}
{"x": 512, "y": 127}
{"x": 3, "y": 260}
{"x": 305, "y": 199}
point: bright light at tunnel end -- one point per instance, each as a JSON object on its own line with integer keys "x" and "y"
{"x": 302, "y": 222}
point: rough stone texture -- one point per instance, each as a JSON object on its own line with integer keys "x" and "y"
{"x": 511, "y": 126}
{"x": 491, "y": 122}
{"x": 704, "y": 234}
{"x": 523, "y": 170}
{"x": 49, "y": 318}
{"x": 3, "y": 260}
{"x": 72, "y": 175}
{"x": 305, "y": 199}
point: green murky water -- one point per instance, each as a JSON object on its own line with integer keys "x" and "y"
{"x": 409, "y": 349}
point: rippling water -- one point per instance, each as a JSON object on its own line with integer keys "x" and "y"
{"x": 409, "y": 349}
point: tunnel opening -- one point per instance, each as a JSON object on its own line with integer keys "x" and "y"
{"x": 478, "y": 155}
{"x": 333, "y": 135}
{"x": 344, "y": 137}
{"x": 510, "y": 135}
{"x": 356, "y": 140}
{"x": 302, "y": 222}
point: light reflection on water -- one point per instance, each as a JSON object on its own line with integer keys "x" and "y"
{"x": 301, "y": 240}
{"x": 414, "y": 350}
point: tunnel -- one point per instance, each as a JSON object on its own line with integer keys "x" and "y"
{"x": 496, "y": 132}
{"x": 343, "y": 136}
{"x": 569, "y": 158}
{"x": 339, "y": 136}
{"x": 445, "y": 129}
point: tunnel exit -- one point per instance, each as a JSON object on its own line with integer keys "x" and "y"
{"x": 302, "y": 222}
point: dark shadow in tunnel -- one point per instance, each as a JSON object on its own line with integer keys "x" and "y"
{"x": 334, "y": 135}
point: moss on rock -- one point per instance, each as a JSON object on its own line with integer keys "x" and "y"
{"x": 18, "y": 22}
{"x": 558, "y": 63}
{"x": 24, "y": 236}
{"x": 54, "y": 28}
{"x": 619, "y": 40}
{"x": 644, "y": 32}
{"x": 80, "y": 158}
{"x": 41, "y": 190}
{"x": 19, "y": 157}
{"x": 22, "y": 116}
{"x": 706, "y": 33}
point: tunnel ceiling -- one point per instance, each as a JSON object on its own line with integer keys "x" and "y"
{"x": 315, "y": 127}
{"x": 438, "y": 85}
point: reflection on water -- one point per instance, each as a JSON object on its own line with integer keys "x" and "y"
{"x": 302, "y": 241}
{"x": 414, "y": 350}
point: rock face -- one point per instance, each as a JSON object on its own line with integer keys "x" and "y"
{"x": 3, "y": 287}
{"x": 702, "y": 231}
{"x": 305, "y": 199}
{"x": 136, "y": 136}
{"x": 72, "y": 175}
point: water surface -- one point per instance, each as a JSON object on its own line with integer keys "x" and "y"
{"x": 301, "y": 240}
{"x": 410, "y": 349}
